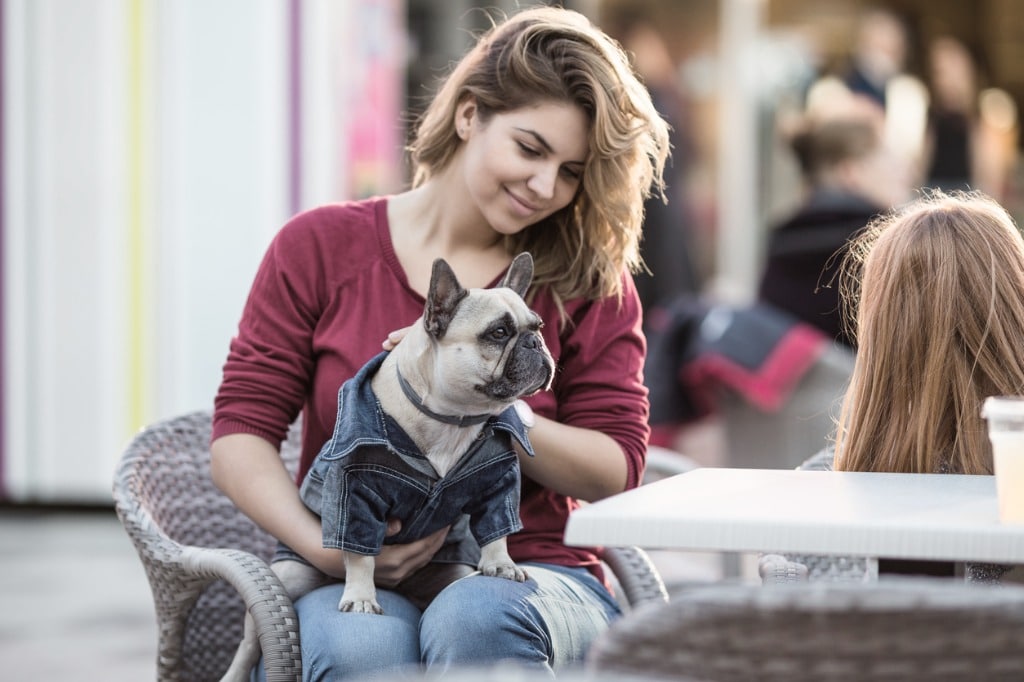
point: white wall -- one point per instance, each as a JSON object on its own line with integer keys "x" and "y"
{"x": 148, "y": 162}
{"x": 219, "y": 176}
{"x": 65, "y": 237}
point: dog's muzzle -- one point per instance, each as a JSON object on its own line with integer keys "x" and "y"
{"x": 530, "y": 367}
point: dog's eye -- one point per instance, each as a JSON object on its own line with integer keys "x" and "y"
{"x": 499, "y": 333}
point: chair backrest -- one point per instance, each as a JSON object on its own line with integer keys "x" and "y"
{"x": 800, "y": 428}
{"x": 898, "y": 630}
{"x": 165, "y": 499}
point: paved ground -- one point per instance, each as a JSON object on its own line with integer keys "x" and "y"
{"x": 76, "y": 604}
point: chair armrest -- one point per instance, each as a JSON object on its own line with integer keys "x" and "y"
{"x": 636, "y": 573}
{"x": 776, "y": 569}
{"x": 265, "y": 598}
{"x": 179, "y": 573}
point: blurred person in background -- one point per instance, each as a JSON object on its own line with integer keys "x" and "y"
{"x": 849, "y": 176}
{"x": 972, "y": 132}
{"x": 951, "y": 115}
{"x": 667, "y": 247}
{"x": 878, "y": 70}
{"x": 879, "y": 54}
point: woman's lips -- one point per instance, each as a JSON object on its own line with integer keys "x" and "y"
{"x": 520, "y": 205}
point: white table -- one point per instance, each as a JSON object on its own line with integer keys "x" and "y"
{"x": 941, "y": 517}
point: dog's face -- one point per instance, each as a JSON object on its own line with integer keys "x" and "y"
{"x": 486, "y": 345}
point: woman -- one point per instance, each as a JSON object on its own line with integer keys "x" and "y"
{"x": 542, "y": 139}
{"x": 937, "y": 293}
{"x": 939, "y": 325}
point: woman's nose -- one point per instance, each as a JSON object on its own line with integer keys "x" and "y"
{"x": 542, "y": 182}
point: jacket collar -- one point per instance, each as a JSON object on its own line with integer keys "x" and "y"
{"x": 362, "y": 421}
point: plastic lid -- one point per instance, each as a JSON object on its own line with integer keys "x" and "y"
{"x": 1003, "y": 407}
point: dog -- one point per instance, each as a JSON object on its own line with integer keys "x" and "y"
{"x": 451, "y": 386}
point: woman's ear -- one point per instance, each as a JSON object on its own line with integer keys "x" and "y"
{"x": 465, "y": 115}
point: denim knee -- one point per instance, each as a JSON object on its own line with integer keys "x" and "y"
{"x": 545, "y": 623}
{"x": 336, "y": 644}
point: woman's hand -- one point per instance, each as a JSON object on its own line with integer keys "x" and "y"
{"x": 395, "y": 563}
{"x": 394, "y": 338}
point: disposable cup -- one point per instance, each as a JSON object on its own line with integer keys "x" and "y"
{"x": 1005, "y": 415}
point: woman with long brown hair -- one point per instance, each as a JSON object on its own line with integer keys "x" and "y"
{"x": 938, "y": 288}
{"x": 542, "y": 139}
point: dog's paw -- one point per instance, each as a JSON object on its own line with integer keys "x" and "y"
{"x": 360, "y": 606}
{"x": 506, "y": 571}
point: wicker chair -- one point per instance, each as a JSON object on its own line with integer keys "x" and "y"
{"x": 894, "y": 630}
{"x": 200, "y": 553}
{"x": 207, "y": 562}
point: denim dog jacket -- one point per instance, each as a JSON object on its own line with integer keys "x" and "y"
{"x": 371, "y": 471}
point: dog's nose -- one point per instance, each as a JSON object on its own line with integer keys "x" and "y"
{"x": 531, "y": 341}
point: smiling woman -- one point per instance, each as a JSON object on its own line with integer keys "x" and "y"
{"x": 541, "y": 140}
{"x": 527, "y": 63}
{"x": 524, "y": 165}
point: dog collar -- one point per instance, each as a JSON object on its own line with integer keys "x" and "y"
{"x": 414, "y": 398}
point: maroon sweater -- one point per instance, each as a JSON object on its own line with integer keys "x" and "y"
{"x": 328, "y": 291}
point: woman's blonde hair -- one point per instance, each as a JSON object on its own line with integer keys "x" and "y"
{"x": 552, "y": 54}
{"x": 939, "y": 291}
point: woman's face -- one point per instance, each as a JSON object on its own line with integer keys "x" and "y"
{"x": 521, "y": 166}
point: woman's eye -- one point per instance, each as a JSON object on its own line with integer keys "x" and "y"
{"x": 528, "y": 150}
{"x": 571, "y": 173}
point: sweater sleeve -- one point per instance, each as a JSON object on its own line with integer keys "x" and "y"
{"x": 600, "y": 384}
{"x": 268, "y": 370}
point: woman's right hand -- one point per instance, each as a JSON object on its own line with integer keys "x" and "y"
{"x": 394, "y": 338}
{"x": 395, "y": 563}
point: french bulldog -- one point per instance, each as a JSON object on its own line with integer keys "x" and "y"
{"x": 449, "y": 385}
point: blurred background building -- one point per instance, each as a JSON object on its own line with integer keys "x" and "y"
{"x": 151, "y": 148}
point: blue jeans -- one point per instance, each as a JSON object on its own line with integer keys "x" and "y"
{"x": 546, "y": 623}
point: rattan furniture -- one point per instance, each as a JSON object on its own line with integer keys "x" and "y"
{"x": 893, "y": 630}
{"x": 200, "y": 553}
{"x": 206, "y": 561}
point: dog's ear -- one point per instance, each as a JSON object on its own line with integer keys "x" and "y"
{"x": 519, "y": 274}
{"x": 443, "y": 298}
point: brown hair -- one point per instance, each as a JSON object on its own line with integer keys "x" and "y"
{"x": 939, "y": 292}
{"x": 552, "y": 54}
{"x": 822, "y": 145}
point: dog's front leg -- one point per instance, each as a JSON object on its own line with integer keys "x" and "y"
{"x": 297, "y": 579}
{"x": 360, "y": 595}
{"x": 495, "y": 561}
